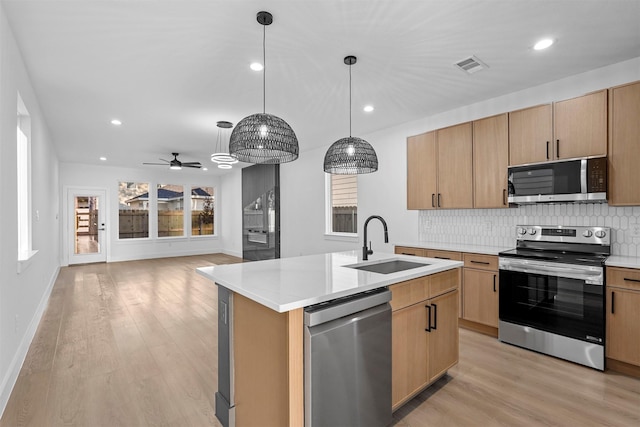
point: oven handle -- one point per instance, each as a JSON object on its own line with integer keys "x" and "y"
{"x": 590, "y": 276}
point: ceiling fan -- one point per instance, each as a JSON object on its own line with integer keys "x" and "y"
{"x": 177, "y": 164}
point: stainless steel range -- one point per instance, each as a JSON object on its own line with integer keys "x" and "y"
{"x": 552, "y": 296}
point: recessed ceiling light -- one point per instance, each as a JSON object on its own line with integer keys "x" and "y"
{"x": 543, "y": 44}
{"x": 104, "y": 159}
{"x": 256, "y": 66}
{"x": 116, "y": 122}
{"x": 368, "y": 108}
{"x": 205, "y": 169}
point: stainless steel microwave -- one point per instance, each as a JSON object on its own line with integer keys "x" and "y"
{"x": 572, "y": 180}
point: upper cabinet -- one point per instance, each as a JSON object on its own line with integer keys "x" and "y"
{"x": 439, "y": 169}
{"x": 580, "y": 126}
{"x": 530, "y": 135}
{"x": 624, "y": 145}
{"x": 490, "y": 162}
{"x": 567, "y": 129}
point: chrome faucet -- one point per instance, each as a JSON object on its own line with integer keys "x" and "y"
{"x": 366, "y": 251}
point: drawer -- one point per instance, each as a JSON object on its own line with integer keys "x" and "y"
{"x": 481, "y": 262}
{"x": 628, "y": 278}
{"x": 433, "y": 253}
{"x": 414, "y": 291}
{"x": 405, "y": 250}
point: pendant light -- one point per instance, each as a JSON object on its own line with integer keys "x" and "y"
{"x": 351, "y": 155}
{"x": 221, "y": 157}
{"x": 261, "y": 137}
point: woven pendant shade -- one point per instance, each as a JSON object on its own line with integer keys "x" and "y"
{"x": 350, "y": 156}
{"x": 263, "y": 138}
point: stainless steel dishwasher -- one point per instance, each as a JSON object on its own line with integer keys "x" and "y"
{"x": 347, "y": 361}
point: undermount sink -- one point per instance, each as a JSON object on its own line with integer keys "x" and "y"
{"x": 388, "y": 267}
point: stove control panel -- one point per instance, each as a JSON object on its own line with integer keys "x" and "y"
{"x": 564, "y": 234}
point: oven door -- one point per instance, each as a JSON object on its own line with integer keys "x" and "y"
{"x": 564, "y": 299}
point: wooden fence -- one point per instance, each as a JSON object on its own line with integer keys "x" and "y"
{"x": 345, "y": 219}
{"x": 135, "y": 224}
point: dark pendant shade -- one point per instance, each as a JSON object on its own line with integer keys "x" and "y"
{"x": 263, "y": 138}
{"x": 351, "y": 155}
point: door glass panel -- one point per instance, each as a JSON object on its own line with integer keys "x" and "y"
{"x": 86, "y": 225}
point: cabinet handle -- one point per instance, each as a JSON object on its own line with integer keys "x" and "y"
{"x": 557, "y": 148}
{"x": 441, "y": 257}
{"x": 473, "y": 261}
{"x": 613, "y": 301}
{"x": 428, "y": 328}
{"x": 494, "y": 283}
{"x": 547, "y": 150}
{"x": 626, "y": 279}
{"x": 404, "y": 253}
{"x": 435, "y": 317}
{"x": 433, "y": 200}
{"x": 504, "y": 196}
{"x": 439, "y": 200}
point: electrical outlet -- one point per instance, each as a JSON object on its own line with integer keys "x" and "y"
{"x": 635, "y": 230}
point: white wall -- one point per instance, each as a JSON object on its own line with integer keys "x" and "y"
{"x": 74, "y": 175}
{"x": 384, "y": 192}
{"x": 23, "y": 296}
{"x": 231, "y": 212}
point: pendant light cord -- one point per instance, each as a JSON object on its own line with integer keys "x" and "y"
{"x": 264, "y": 69}
{"x": 349, "y": 100}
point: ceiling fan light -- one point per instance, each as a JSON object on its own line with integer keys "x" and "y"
{"x": 175, "y": 167}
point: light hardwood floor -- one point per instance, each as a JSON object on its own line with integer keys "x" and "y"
{"x": 134, "y": 344}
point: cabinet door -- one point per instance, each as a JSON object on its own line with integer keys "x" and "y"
{"x": 623, "y": 325}
{"x": 624, "y": 146}
{"x": 409, "y": 352}
{"x": 480, "y": 297}
{"x": 405, "y": 250}
{"x": 455, "y": 167}
{"x": 443, "y": 338}
{"x": 580, "y": 126}
{"x": 530, "y": 135}
{"x": 421, "y": 171}
{"x": 490, "y": 162}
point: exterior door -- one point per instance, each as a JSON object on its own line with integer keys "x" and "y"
{"x": 87, "y": 237}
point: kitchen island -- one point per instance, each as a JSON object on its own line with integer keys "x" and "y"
{"x": 263, "y": 314}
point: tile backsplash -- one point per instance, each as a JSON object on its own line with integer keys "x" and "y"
{"x": 496, "y": 227}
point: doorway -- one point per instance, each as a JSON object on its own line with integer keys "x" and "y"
{"x": 87, "y": 226}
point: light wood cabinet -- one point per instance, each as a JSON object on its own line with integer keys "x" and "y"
{"x": 623, "y": 315}
{"x": 530, "y": 135}
{"x": 455, "y": 167}
{"x": 404, "y": 250}
{"x": 439, "y": 169}
{"x": 480, "y": 290}
{"x": 422, "y": 175}
{"x": 424, "y": 332}
{"x": 580, "y": 126}
{"x": 490, "y": 162}
{"x": 439, "y": 254}
{"x": 567, "y": 129}
{"x": 624, "y": 145}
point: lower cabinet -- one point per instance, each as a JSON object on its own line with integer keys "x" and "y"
{"x": 424, "y": 333}
{"x": 480, "y": 289}
{"x": 623, "y": 315}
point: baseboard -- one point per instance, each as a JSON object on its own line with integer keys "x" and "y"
{"x": 161, "y": 255}
{"x": 623, "y": 368}
{"x": 232, "y": 253}
{"x": 478, "y": 327}
{"x": 9, "y": 381}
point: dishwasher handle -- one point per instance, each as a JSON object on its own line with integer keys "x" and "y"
{"x": 341, "y": 307}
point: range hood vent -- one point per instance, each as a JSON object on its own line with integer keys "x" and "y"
{"x": 471, "y": 65}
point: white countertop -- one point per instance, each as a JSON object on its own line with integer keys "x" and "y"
{"x": 623, "y": 261}
{"x": 289, "y": 283}
{"x": 458, "y": 247}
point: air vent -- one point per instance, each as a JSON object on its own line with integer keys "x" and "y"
{"x": 471, "y": 65}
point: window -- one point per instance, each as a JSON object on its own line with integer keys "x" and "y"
{"x": 202, "y": 211}
{"x": 24, "y": 182}
{"x": 170, "y": 210}
{"x": 342, "y": 203}
{"x": 133, "y": 212}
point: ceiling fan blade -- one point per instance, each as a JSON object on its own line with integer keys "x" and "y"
{"x": 159, "y": 164}
{"x": 192, "y": 165}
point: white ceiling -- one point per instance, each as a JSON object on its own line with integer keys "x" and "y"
{"x": 170, "y": 69}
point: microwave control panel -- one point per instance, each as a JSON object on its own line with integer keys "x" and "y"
{"x": 597, "y": 175}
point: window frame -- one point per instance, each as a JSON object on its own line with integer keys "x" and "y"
{"x": 24, "y": 194}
